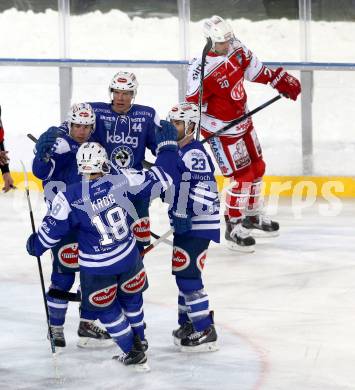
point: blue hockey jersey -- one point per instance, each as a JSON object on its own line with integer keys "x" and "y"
{"x": 61, "y": 169}
{"x": 102, "y": 211}
{"x": 125, "y": 136}
{"x": 196, "y": 191}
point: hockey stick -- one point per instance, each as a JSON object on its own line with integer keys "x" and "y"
{"x": 157, "y": 241}
{"x": 148, "y": 164}
{"x": 242, "y": 118}
{"x": 166, "y": 241}
{"x": 32, "y": 137}
{"x": 205, "y": 51}
{"x": 76, "y": 297}
{"x": 27, "y": 188}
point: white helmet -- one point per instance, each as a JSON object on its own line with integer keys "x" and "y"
{"x": 187, "y": 112}
{"x": 91, "y": 157}
{"x": 217, "y": 29}
{"x": 81, "y": 114}
{"x": 124, "y": 81}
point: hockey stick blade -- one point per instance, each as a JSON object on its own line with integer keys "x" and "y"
{"x": 64, "y": 295}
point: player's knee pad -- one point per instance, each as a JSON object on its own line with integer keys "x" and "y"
{"x": 98, "y": 292}
{"x": 132, "y": 304}
{"x": 66, "y": 253}
{"x": 187, "y": 285}
{"x": 134, "y": 281}
{"x": 189, "y": 256}
{"x": 258, "y": 168}
{"x": 242, "y": 179}
{"x": 62, "y": 281}
{"x": 100, "y": 299}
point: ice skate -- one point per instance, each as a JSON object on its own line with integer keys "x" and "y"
{"x": 145, "y": 344}
{"x": 58, "y": 336}
{"x": 238, "y": 237}
{"x": 204, "y": 341}
{"x": 135, "y": 358}
{"x": 92, "y": 336}
{"x": 182, "y": 332}
{"x": 261, "y": 226}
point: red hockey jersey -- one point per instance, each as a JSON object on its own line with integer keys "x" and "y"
{"x": 224, "y": 96}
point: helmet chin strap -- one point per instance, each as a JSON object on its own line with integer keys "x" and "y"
{"x": 187, "y": 136}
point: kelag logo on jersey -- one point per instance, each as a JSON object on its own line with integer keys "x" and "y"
{"x": 122, "y": 139}
{"x": 68, "y": 255}
{"x": 122, "y": 157}
{"x": 104, "y": 297}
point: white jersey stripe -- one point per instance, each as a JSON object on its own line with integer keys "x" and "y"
{"x": 116, "y": 259}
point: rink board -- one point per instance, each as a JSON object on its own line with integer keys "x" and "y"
{"x": 283, "y": 186}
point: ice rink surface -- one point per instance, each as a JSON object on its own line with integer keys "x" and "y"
{"x": 285, "y": 315}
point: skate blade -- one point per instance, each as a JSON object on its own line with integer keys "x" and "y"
{"x": 207, "y": 347}
{"x": 238, "y": 248}
{"x": 58, "y": 351}
{"x": 144, "y": 367}
{"x": 263, "y": 234}
{"x": 90, "y": 343}
{"x": 177, "y": 341}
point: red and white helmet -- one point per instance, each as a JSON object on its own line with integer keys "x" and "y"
{"x": 187, "y": 112}
{"x": 91, "y": 157}
{"x": 81, "y": 114}
{"x": 124, "y": 81}
{"x": 217, "y": 29}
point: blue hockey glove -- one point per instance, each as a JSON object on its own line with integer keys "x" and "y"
{"x": 30, "y": 245}
{"x": 181, "y": 222}
{"x": 46, "y": 142}
{"x": 166, "y": 137}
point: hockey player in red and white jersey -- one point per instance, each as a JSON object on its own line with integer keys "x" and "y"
{"x": 237, "y": 151}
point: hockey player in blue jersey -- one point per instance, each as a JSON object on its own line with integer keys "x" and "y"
{"x": 126, "y": 130}
{"x": 55, "y": 164}
{"x": 195, "y": 218}
{"x": 111, "y": 270}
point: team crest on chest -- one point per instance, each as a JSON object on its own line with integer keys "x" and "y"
{"x": 237, "y": 93}
{"x": 122, "y": 157}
